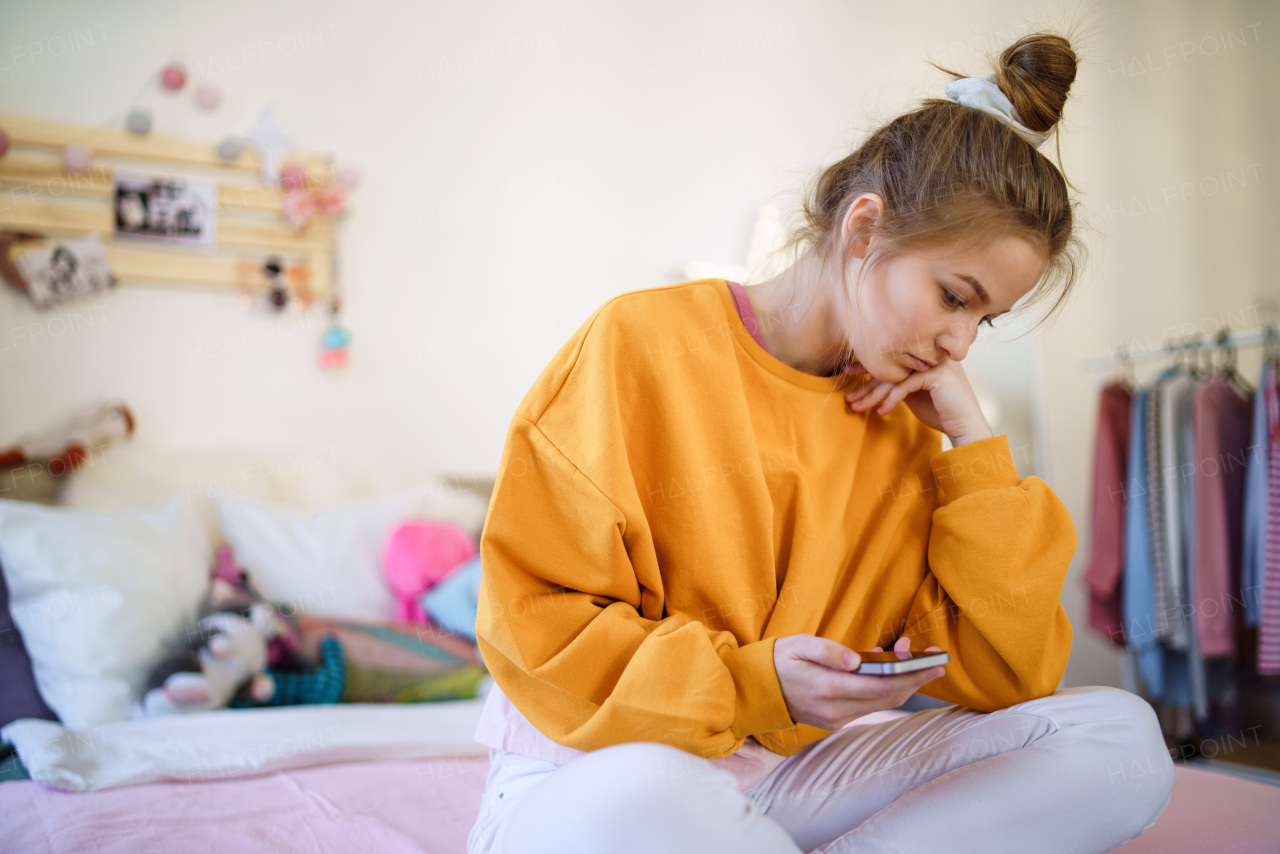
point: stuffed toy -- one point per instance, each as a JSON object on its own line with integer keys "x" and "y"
{"x": 237, "y": 638}
{"x": 231, "y": 586}
{"x": 38, "y": 462}
{"x": 226, "y": 659}
{"x": 420, "y": 553}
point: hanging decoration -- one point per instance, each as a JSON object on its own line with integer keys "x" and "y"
{"x": 270, "y": 143}
{"x": 139, "y": 121}
{"x": 273, "y": 283}
{"x": 292, "y": 177}
{"x": 208, "y": 96}
{"x": 302, "y": 202}
{"x": 299, "y": 207}
{"x": 335, "y": 340}
{"x": 173, "y": 76}
{"x": 230, "y": 149}
{"x": 77, "y": 157}
{"x": 276, "y": 293}
{"x": 299, "y": 276}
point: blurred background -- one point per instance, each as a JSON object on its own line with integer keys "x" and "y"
{"x": 512, "y": 165}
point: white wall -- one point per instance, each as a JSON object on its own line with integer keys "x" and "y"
{"x": 524, "y": 162}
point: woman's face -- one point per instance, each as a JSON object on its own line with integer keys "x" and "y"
{"x": 928, "y": 304}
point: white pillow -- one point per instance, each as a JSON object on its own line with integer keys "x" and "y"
{"x": 137, "y": 474}
{"x": 319, "y": 562}
{"x": 99, "y": 597}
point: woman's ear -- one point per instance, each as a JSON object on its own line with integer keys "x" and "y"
{"x": 865, "y": 211}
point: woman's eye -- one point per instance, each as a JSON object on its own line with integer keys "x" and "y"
{"x": 952, "y": 301}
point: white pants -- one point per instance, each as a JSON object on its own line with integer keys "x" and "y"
{"x": 1083, "y": 770}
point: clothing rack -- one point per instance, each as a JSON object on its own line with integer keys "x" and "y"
{"x": 1189, "y": 350}
{"x": 1175, "y": 346}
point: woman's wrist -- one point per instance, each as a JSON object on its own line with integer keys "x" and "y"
{"x": 972, "y": 436}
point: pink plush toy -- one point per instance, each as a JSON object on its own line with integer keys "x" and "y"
{"x": 419, "y": 554}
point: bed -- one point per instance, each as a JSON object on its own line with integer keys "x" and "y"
{"x": 391, "y": 777}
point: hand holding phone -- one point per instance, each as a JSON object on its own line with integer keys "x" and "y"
{"x": 879, "y": 663}
{"x": 823, "y": 686}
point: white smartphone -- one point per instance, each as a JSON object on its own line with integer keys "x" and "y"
{"x": 889, "y": 663}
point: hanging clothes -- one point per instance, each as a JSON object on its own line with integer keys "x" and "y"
{"x": 1255, "y": 501}
{"x": 1173, "y": 420}
{"x": 1198, "y": 545}
{"x": 1189, "y": 505}
{"x": 1269, "y": 624}
{"x": 1155, "y": 514}
{"x": 1173, "y": 506}
{"x": 1138, "y": 599}
{"x": 1221, "y": 418}
{"x": 1107, "y": 559}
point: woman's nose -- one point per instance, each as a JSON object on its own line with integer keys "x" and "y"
{"x": 955, "y": 340}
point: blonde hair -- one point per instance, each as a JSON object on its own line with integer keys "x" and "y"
{"x": 949, "y": 175}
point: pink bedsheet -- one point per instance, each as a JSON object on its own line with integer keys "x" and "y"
{"x": 429, "y": 805}
{"x": 424, "y": 805}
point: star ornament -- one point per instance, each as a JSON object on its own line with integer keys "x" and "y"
{"x": 271, "y": 144}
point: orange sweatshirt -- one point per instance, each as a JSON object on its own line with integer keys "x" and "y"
{"x": 672, "y": 498}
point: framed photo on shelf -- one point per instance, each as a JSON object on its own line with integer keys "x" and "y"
{"x": 166, "y": 209}
{"x": 58, "y": 271}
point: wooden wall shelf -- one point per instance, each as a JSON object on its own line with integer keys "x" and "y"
{"x": 38, "y": 194}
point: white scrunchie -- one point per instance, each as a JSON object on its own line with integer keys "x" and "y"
{"x": 982, "y": 93}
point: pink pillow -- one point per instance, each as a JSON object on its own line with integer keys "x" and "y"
{"x": 419, "y": 554}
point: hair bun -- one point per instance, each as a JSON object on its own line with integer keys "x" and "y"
{"x": 1035, "y": 73}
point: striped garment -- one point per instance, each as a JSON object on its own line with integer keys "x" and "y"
{"x": 1269, "y": 625}
{"x": 1255, "y": 500}
{"x": 1155, "y": 510}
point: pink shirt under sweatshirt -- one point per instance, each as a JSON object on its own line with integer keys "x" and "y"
{"x": 502, "y": 725}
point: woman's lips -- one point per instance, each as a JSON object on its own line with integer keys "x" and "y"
{"x": 919, "y": 364}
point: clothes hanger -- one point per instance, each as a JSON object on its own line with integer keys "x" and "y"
{"x": 1228, "y": 369}
{"x": 1271, "y": 345}
{"x": 1125, "y": 375}
{"x": 1195, "y": 364}
{"x": 1174, "y": 352}
{"x": 1270, "y": 352}
{"x": 1185, "y": 364}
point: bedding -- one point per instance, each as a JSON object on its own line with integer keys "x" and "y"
{"x": 388, "y": 661}
{"x": 137, "y": 530}
{"x": 422, "y": 806}
{"x": 20, "y": 697}
{"x": 141, "y": 474}
{"x": 227, "y": 743}
{"x": 416, "y": 803}
{"x": 97, "y": 596}
{"x": 327, "y": 561}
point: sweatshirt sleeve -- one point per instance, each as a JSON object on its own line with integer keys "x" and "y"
{"x": 563, "y": 628}
{"x": 999, "y": 550}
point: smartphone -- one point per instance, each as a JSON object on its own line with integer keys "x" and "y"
{"x": 889, "y": 663}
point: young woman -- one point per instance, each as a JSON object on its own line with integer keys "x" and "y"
{"x": 692, "y": 534}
